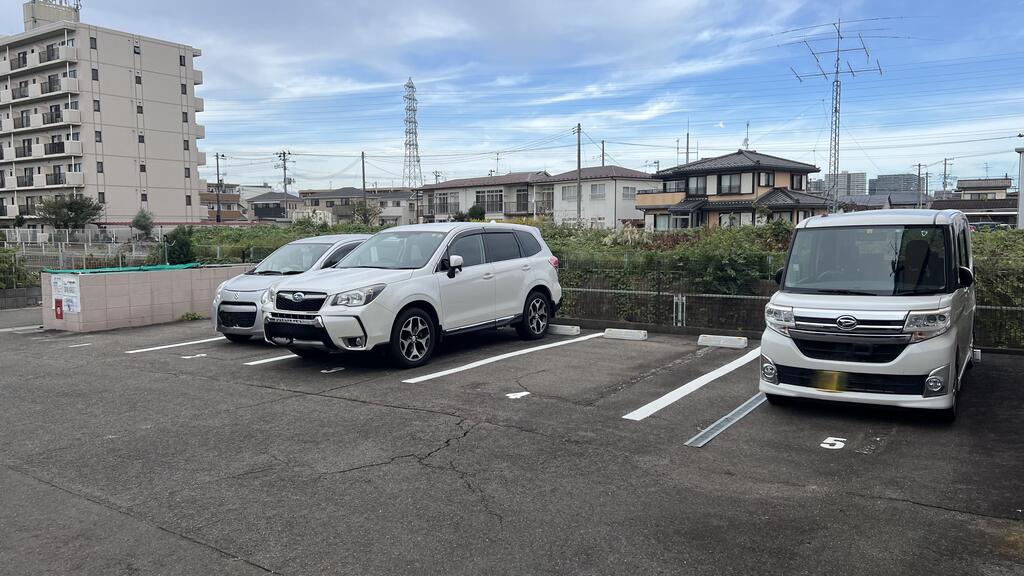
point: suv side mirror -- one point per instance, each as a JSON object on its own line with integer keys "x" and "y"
{"x": 965, "y": 276}
{"x": 454, "y": 265}
{"x": 778, "y": 276}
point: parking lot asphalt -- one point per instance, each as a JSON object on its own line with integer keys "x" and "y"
{"x": 165, "y": 450}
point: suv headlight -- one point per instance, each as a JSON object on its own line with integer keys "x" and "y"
{"x": 927, "y": 324}
{"x": 359, "y": 297}
{"x": 779, "y": 318}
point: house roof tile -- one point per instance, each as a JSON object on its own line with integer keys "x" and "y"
{"x": 739, "y": 160}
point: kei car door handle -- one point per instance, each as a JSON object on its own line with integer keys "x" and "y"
{"x": 526, "y": 267}
{"x": 487, "y": 275}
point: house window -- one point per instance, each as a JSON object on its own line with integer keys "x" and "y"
{"x": 142, "y": 167}
{"x": 184, "y": 89}
{"x": 491, "y": 200}
{"x": 138, "y": 108}
{"x": 99, "y": 167}
{"x": 396, "y": 204}
{"x": 628, "y": 192}
{"x": 796, "y": 181}
{"x": 95, "y": 74}
{"x": 95, "y": 105}
{"x": 766, "y": 179}
{"x": 188, "y": 200}
{"x": 678, "y": 185}
{"x": 137, "y": 49}
{"x": 730, "y": 219}
{"x": 188, "y": 172}
{"x": 92, "y": 42}
{"x": 185, "y": 143}
{"x": 138, "y": 79}
{"x": 181, "y": 60}
{"x": 383, "y": 203}
{"x": 729, "y": 184}
{"x": 597, "y": 191}
{"x": 330, "y": 203}
{"x": 142, "y": 139}
{"x": 697, "y": 185}
{"x": 662, "y": 221}
{"x": 569, "y": 192}
{"x": 99, "y": 136}
{"x": 101, "y": 197}
{"x": 145, "y": 197}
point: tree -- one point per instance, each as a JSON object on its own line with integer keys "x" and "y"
{"x": 460, "y": 216}
{"x": 19, "y": 221}
{"x": 68, "y": 212}
{"x": 476, "y": 212}
{"x": 366, "y": 213}
{"x": 143, "y": 222}
{"x": 179, "y": 245}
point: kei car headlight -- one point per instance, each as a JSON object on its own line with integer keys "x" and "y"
{"x": 779, "y": 318}
{"x": 927, "y": 324}
{"x": 268, "y": 297}
{"x": 360, "y": 297}
{"x": 220, "y": 288}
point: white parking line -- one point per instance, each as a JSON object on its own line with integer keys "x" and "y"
{"x": 174, "y": 345}
{"x": 498, "y": 358}
{"x": 648, "y": 409}
{"x": 708, "y": 434}
{"x": 80, "y": 345}
{"x": 266, "y": 360}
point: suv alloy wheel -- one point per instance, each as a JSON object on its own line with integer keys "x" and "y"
{"x": 536, "y": 317}
{"x": 412, "y": 338}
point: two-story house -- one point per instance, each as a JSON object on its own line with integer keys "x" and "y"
{"x": 738, "y": 189}
{"x": 608, "y": 199}
{"x": 502, "y": 196}
{"x": 337, "y": 206}
{"x": 273, "y": 206}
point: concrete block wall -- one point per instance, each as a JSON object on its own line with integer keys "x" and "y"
{"x": 123, "y": 299}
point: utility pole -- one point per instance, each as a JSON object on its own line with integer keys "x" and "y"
{"x": 919, "y": 166}
{"x": 602, "y": 152}
{"x": 220, "y": 183}
{"x": 437, "y": 176}
{"x": 579, "y": 177}
{"x": 362, "y": 159}
{"x": 283, "y": 156}
{"x": 1020, "y": 187}
{"x": 687, "y": 140}
{"x": 497, "y": 157}
{"x": 677, "y": 151}
{"x": 945, "y": 175}
{"x": 926, "y": 188}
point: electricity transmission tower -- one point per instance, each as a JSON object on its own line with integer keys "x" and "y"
{"x": 842, "y": 44}
{"x": 412, "y": 174}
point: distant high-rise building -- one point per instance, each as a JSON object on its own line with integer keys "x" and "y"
{"x": 849, "y": 183}
{"x": 893, "y": 184}
{"x": 96, "y": 112}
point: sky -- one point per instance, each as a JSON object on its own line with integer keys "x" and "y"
{"x": 500, "y": 85}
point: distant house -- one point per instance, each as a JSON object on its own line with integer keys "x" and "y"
{"x": 983, "y": 188}
{"x": 337, "y": 206}
{"x": 223, "y": 201}
{"x": 1002, "y": 210}
{"x": 608, "y": 200}
{"x": 859, "y": 202}
{"x": 274, "y": 206}
{"x": 742, "y": 188}
{"x": 505, "y": 195}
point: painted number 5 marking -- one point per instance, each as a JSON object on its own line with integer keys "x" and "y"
{"x": 833, "y": 443}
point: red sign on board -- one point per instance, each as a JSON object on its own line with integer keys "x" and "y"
{"x": 58, "y": 308}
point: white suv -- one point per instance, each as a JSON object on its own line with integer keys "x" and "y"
{"x": 407, "y": 287}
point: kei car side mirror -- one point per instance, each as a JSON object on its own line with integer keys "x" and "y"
{"x": 778, "y": 276}
{"x": 965, "y": 276}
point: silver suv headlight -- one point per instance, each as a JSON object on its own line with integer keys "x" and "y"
{"x": 927, "y": 324}
{"x": 779, "y": 318}
{"x": 359, "y": 297}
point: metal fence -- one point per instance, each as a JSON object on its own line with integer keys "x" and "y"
{"x": 11, "y": 236}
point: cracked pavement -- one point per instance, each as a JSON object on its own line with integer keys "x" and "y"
{"x": 157, "y": 464}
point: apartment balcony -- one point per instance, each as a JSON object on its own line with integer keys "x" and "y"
{"x": 27, "y": 210}
{"x": 198, "y": 103}
{"x": 201, "y": 158}
{"x": 22, "y": 152}
{"x": 270, "y": 212}
{"x": 657, "y": 198}
{"x": 24, "y": 94}
{"x": 56, "y": 55}
{"x": 225, "y": 215}
{"x": 40, "y": 121}
{"x": 17, "y": 63}
{"x": 444, "y": 208}
{"x": 200, "y": 132}
{"x": 197, "y": 77}
{"x": 58, "y": 180}
{"x": 212, "y": 198}
{"x": 343, "y": 210}
{"x": 21, "y": 182}
{"x": 55, "y": 149}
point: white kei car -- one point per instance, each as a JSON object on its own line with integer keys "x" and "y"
{"x": 407, "y": 287}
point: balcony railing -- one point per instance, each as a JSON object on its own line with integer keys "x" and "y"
{"x": 51, "y": 53}
{"x": 270, "y": 212}
{"x": 53, "y": 148}
{"x": 24, "y": 182}
{"x": 493, "y": 206}
{"x": 22, "y": 151}
{"x": 52, "y": 117}
{"x": 49, "y": 86}
{"x": 442, "y": 208}
{"x": 22, "y": 122}
{"x": 19, "y": 62}
{"x": 56, "y": 179}
{"x": 517, "y": 208}
{"x": 19, "y": 92}
{"x": 29, "y": 210}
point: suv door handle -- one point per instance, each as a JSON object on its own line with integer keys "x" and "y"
{"x": 487, "y": 276}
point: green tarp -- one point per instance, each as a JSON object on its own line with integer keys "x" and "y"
{"x": 127, "y": 269}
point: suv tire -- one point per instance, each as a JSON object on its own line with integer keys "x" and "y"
{"x": 413, "y": 337}
{"x": 536, "y": 317}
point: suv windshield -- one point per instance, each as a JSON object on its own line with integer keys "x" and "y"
{"x": 291, "y": 259}
{"x": 869, "y": 260}
{"x": 395, "y": 251}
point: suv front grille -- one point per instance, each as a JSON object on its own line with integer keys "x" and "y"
{"x": 311, "y": 301}
{"x": 852, "y": 381}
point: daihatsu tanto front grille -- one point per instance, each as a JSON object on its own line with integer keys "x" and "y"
{"x": 849, "y": 339}
{"x": 300, "y": 301}
{"x": 878, "y": 353}
{"x": 851, "y": 381}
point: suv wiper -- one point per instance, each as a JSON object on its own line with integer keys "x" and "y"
{"x": 846, "y": 292}
{"x": 290, "y": 272}
{"x": 374, "y": 267}
{"x": 268, "y": 273}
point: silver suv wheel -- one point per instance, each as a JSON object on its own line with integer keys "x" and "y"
{"x": 537, "y": 316}
{"x": 414, "y": 338}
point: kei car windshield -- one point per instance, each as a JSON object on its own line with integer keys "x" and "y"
{"x": 869, "y": 260}
{"x": 292, "y": 258}
{"x": 395, "y": 251}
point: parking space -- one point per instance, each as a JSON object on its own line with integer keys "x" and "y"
{"x": 574, "y": 454}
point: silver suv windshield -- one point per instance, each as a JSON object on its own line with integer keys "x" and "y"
{"x": 400, "y": 250}
{"x": 291, "y": 259}
{"x": 869, "y": 260}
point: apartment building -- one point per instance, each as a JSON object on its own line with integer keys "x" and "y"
{"x": 223, "y": 203}
{"x": 337, "y": 206}
{"x": 110, "y": 115}
{"x": 742, "y": 188}
{"x": 885, "y": 184}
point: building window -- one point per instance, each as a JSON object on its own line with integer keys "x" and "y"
{"x": 396, "y": 204}
{"x": 138, "y": 108}
{"x": 597, "y": 191}
{"x": 181, "y": 60}
{"x": 137, "y": 49}
{"x": 188, "y": 200}
{"x": 766, "y": 179}
{"x": 101, "y": 197}
{"x": 138, "y": 79}
{"x": 628, "y": 192}
{"x": 185, "y": 143}
{"x": 95, "y": 105}
{"x": 728, "y": 183}
{"x": 188, "y": 172}
{"x": 99, "y": 136}
{"x": 184, "y": 117}
{"x": 329, "y": 203}
{"x": 697, "y": 185}
{"x": 99, "y": 167}
{"x": 95, "y": 74}
{"x": 142, "y": 139}
{"x": 145, "y": 197}
{"x": 796, "y": 181}
{"x": 184, "y": 89}
{"x": 730, "y": 219}
{"x": 92, "y": 42}
{"x": 142, "y": 167}
{"x": 491, "y": 200}
{"x": 569, "y": 192}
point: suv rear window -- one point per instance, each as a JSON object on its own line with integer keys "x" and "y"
{"x": 528, "y": 243}
{"x": 501, "y": 246}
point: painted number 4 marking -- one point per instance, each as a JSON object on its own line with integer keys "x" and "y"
{"x": 833, "y": 443}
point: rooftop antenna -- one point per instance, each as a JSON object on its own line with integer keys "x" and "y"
{"x": 746, "y": 139}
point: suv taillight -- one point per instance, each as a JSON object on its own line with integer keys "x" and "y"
{"x": 553, "y": 260}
